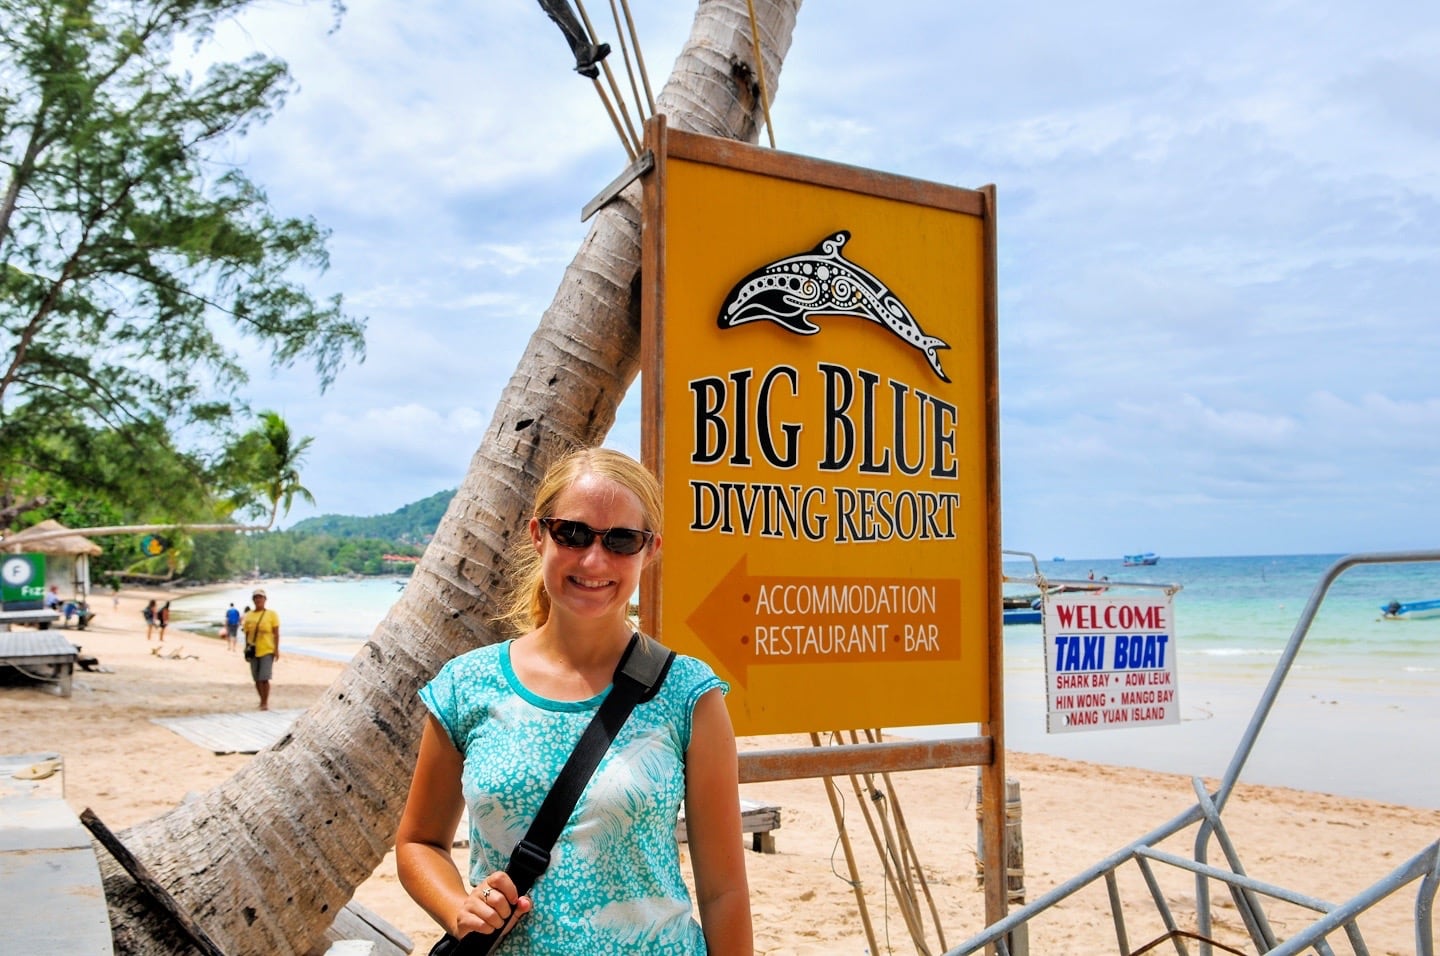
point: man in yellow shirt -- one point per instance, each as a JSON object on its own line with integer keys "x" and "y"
{"x": 262, "y": 645}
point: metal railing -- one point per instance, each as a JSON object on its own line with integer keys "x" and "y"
{"x": 1245, "y": 891}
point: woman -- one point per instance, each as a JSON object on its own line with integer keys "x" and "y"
{"x": 150, "y": 612}
{"x": 504, "y": 718}
{"x": 162, "y": 618}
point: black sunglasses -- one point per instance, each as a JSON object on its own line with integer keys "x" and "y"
{"x": 578, "y": 535}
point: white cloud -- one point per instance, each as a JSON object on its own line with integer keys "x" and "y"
{"x": 1219, "y": 235}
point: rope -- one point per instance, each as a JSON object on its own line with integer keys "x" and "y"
{"x": 760, "y": 72}
{"x": 1184, "y": 934}
{"x": 41, "y": 677}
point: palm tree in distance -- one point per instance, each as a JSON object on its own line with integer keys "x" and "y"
{"x": 280, "y": 457}
{"x": 269, "y": 457}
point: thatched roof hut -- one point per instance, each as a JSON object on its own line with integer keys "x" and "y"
{"x": 68, "y": 555}
{"x": 30, "y": 540}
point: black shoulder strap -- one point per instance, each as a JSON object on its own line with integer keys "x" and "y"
{"x": 642, "y": 669}
{"x": 646, "y": 661}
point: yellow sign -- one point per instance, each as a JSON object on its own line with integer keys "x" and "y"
{"x": 819, "y": 386}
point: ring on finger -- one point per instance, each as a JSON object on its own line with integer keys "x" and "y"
{"x": 486, "y": 895}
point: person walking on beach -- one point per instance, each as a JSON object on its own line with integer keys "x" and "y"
{"x": 162, "y": 619}
{"x": 232, "y": 626}
{"x": 503, "y": 719}
{"x": 262, "y": 645}
{"x": 150, "y": 612}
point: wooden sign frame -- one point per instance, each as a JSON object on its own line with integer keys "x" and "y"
{"x": 982, "y": 609}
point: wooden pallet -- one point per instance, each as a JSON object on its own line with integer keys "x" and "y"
{"x": 247, "y": 732}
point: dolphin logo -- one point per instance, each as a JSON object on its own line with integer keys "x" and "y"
{"x": 792, "y": 290}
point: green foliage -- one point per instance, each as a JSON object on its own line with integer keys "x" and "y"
{"x": 264, "y": 462}
{"x": 132, "y": 258}
{"x": 217, "y": 557}
{"x": 327, "y": 545}
{"x": 103, "y": 470}
{"x": 297, "y": 554}
{"x": 411, "y": 524}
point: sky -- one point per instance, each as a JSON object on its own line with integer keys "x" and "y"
{"x": 1219, "y": 241}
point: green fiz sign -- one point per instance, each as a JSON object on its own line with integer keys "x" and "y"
{"x": 23, "y": 577}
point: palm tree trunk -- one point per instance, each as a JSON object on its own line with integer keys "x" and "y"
{"x": 264, "y": 861}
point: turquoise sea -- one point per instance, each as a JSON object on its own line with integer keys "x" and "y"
{"x": 1359, "y": 714}
{"x": 329, "y": 616}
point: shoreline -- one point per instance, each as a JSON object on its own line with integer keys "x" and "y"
{"x": 1365, "y": 719}
{"x": 1075, "y": 812}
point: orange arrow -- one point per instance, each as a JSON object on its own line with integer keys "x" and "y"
{"x": 759, "y": 620}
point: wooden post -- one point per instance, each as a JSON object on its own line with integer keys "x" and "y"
{"x": 1014, "y": 857}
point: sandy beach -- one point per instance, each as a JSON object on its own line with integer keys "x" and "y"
{"x": 128, "y": 769}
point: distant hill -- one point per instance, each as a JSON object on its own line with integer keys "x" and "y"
{"x": 410, "y": 524}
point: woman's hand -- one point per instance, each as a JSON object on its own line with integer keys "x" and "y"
{"x": 493, "y": 906}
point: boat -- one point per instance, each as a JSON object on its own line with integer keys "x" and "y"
{"x": 1017, "y": 613}
{"x": 1141, "y": 560}
{"x": 1022, "y": 615}
{"x": 1397, "y": 610}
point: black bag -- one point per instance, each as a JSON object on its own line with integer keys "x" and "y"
{"x": 642, "y": 669}
{"x": 447, "y": 945}
{"x": 249, "y": 652}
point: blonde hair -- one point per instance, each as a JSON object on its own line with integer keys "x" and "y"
{"x": 527, "y": 605}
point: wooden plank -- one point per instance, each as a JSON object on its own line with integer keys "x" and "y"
{"x": 152, "y": 888}
{"x": 351, "y": 947}
{"x": 39, "y": 616}
{"x": 247, "y": 732}
{"x": 40, "y": 824}
{"x": 700, "y": 148}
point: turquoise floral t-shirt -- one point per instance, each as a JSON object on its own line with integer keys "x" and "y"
{"x": 614, "y": 882}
